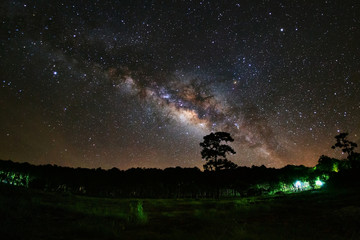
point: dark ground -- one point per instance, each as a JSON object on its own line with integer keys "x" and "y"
{"x": 323, "y": 214}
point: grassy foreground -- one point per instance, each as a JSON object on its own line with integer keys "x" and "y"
{"x": 29, "y": 214}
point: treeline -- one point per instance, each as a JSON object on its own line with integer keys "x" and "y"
{"x": 168, "y": 183}
{"x": 190, "y": 182}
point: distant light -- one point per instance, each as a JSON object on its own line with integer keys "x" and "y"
{"x": 281, "y": 29}
{"x": 318, "y": 183}
{"x": 297, "y": 184}
{"x": 335, "y": 167}
{"x": 55, "y": 73}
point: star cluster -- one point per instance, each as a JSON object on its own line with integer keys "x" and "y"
{"x": 139, "y": 83}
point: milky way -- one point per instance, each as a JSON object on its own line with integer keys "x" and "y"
{"x": 192, "y": 103}
{"x": 124, "y": 84}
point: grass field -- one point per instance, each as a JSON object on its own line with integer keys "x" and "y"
{"x": 29, "y": 214}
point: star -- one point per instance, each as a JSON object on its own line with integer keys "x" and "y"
{"x": 129, "y": 85}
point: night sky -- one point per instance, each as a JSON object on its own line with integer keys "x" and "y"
{"x": 139, "y": 83}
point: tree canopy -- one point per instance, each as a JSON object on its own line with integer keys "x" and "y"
{"x": 345, "y": 145}
{"x": 214, "y": 152}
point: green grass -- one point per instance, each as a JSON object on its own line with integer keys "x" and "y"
{"x": 29, "y": 214}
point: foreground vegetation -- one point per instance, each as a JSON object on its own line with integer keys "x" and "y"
{"x": 320, "y": 214}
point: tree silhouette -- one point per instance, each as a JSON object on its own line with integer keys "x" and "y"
{"x": 328, "y": 164}
{"x": 215, "y": 153}
{"x": 345, "y": 145}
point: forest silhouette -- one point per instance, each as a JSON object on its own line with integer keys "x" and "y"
{"x": 226, "y": 180}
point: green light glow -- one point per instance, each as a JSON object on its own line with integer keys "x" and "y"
{"x": 335, "y": 167}
{"x": 14, "y": 178}
{"x": 140, "y": 212}
{"x": 318, "y": 183}
{"x": 137, "y": 213}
